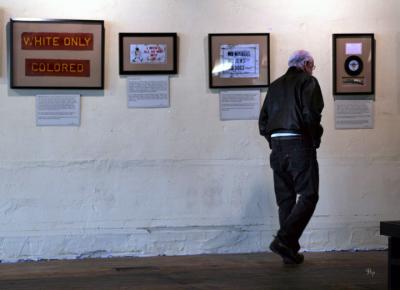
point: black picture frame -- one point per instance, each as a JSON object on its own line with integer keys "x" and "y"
{"x": 353, "y": 63}
{"x": 166, "y": 62}
{"x": 56, "y": 54}
{"x": 255, "y": 72}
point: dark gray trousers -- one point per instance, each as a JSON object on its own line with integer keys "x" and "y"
{"x": 296, "y": 173}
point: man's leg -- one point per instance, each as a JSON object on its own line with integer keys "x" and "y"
{"x": 284, "y": 194}
{"x": 282, "y": 244}
{"x": 286, "y": 200}
{"x": 304, "y": 169}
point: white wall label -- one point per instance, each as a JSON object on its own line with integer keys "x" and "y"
{"x": 148, "y": 92}
{"x": 239, "y": 105}
{"x": 58, "y": 110}
{"x": 353, "y": 114}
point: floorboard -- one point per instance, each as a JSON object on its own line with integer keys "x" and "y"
{"x": 333, "y": 270}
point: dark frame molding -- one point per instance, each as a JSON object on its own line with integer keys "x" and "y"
{"x": 211, "y": 58}
{"x": 335, "y": 36}
{"x": 172, "y": 35}
{"x": 55, "y": 21}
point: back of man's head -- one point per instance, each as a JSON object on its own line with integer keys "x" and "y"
{"x": 299, "y": 58}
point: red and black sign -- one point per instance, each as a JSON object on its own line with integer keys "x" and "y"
{"x": 57, "y": 67}
{"x": 56, "y": 41}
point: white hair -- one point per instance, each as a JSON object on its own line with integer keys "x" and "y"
{"x": 299, "y": 58}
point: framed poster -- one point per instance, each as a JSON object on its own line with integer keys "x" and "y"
{"x": 57, "y": 54}
{"x": 147, "y": 53}
{"x": 238, "y": 60}
{"x": 353, "y": 64}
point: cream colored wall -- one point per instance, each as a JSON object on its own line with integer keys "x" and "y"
{"x": 178, "y": 180}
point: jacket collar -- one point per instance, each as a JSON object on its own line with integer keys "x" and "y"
{"x": 294, "y": 69}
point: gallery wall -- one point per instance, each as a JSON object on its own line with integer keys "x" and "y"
{"x": 177, "y": 180}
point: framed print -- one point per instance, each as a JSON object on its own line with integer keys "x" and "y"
{"x": 147, "y": 53}
{"x": 57, "y": 54}
{"x": 238, "y": 60}
{"x": 353, "y": 64}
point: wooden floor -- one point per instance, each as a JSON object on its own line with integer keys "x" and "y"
{"x": 321, "y": 271}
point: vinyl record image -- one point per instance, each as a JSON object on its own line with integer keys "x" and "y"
{"x": 353, "y": 65}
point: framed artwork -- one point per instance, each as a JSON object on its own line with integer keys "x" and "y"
{"x": 148, "y": 53}
{"x": 353, "y": 64}
{"x": 238, "y": 60}
{"x": 56, "y": 54}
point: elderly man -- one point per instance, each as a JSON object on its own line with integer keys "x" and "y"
{"x": 290, "y": 121}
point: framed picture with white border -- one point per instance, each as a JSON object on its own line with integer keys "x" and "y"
{"x": 239, "y": 60}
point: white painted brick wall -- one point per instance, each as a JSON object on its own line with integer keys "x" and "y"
{"x": 178, "y": 181}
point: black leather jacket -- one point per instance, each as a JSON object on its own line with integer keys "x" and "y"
{"x": 294, "y": 102}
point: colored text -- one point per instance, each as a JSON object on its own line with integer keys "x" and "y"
{"x": 56, "y": 41}
{"x": 57, "y": 67}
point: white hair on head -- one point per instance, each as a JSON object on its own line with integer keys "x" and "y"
{"x": 299, "y": 58}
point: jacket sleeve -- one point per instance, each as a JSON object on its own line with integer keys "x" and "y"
{"x": 263, "y": 121}
{"x": 313, "y": 104}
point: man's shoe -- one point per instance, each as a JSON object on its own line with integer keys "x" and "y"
{"x": 287, "y": 254}
{"x": 299, "y": 258}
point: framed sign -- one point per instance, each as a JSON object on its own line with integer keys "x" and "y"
{"x": 147, "y": 53}
{"x": 57, "y": 54}
{"x": 238, "y": 60}
{"x": 353, "y": 64}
